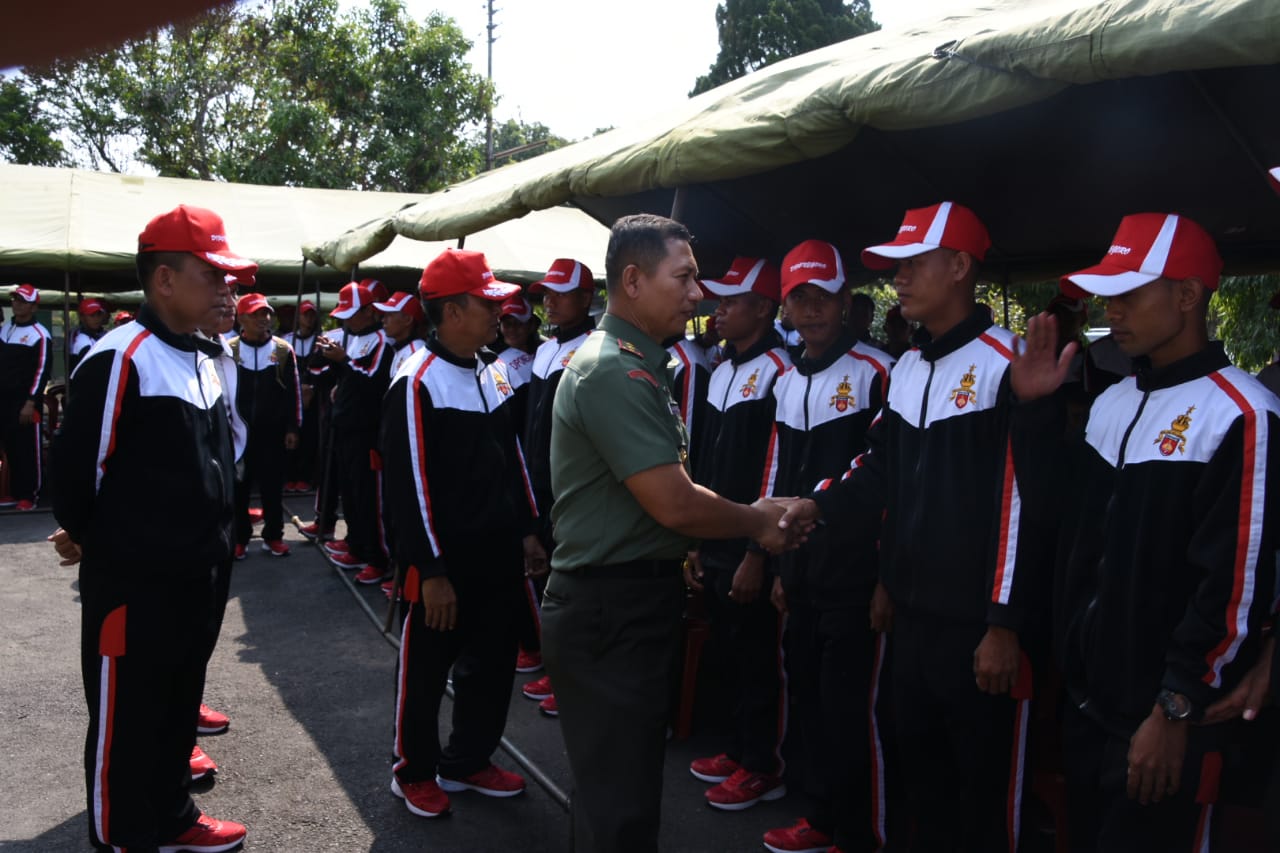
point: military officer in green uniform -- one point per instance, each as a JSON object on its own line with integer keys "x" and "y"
{"x": 625, "y": 513}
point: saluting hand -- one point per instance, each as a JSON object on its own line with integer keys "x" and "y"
{"x": 1037, "y": 370}
{"x": 439, "y": 604}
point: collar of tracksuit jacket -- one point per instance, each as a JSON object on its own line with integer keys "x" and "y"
{"x": 767, "y": 341}
{"x": 568, "y": 333}
{"x": 957, "y": 336}
{"x": 153, "y": 324}
{"x": 806, "y": 366}
{"x": 1212, "y": 357}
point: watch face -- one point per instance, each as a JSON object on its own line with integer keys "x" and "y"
{"x": 1175, "y": 705}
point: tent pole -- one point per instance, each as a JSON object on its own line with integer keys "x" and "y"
{"x": 66, "y": 331}
{"x": 297, "y": 306}
{"x": 462, "y": 241}
{"x": 677, "y": 204}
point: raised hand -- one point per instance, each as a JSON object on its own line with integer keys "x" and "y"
{"x": 1037, "y": 370}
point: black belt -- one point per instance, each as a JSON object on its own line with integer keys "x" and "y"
{"x": 632, "y": 570}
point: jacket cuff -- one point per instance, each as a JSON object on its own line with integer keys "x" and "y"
{"x": 1006, "y": 616}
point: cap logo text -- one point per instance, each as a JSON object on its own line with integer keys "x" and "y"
{"x": 1119, "y": 250}
{"x": 808, "y": 265}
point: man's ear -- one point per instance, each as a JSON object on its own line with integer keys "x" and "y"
{"x": 1190, "y": 294}
{"x": 962, "y": 265}
{"x": 631, "y": 280}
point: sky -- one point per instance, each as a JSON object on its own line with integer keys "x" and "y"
{"x": 579, "y": 65}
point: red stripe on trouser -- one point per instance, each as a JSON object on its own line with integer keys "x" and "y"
{"x": 111, "y": 645}
{"x": 535, "y": 610}
{"x": 411, "y": 595}
{"x": 35, "y": 434}
{"x": 1022, "y": 691}
{"x": 877, "y": 749}
{"x": 1206, "y": 796}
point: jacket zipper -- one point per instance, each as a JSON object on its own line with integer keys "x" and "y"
{"x": 1124, "y": 442}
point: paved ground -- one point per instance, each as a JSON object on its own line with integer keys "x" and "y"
{"x": 307, "y": 677}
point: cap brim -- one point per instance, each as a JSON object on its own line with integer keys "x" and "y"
{"x": 388, "y": 308}
{"x": 345, "y": 313}
{"x": 886, "y": 255}
{"x": 1104, "y": 280}
{"x": 543, "y": 286}
{"x": 496, "y": 292}
{"x": 830, "y": 286}
{"x": 229, "y": 263}
{"x": 720, "y": 288}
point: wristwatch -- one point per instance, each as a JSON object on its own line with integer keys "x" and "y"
{"x": 1176, "y": 707}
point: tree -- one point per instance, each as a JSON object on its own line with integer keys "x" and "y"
{"x": 1241, "y": 316}
{"x": 514, "y": 133}
{"x": 290, "y": 92}
{"x": 756, "y": 33}
{"x": 26, "y": 134}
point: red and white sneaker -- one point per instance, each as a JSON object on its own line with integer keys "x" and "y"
{"x": 370, "y": 575}
{"x": 492, "y": 781}
{"x": 800, "y": 837}
{"x": 240, "y": 554}
{"x": 539, "y": 689}
{"x": 389, "y": 588}
{"x": 255, "y": 514}
{"x": 715, "y": 769}
{"x": 276, "y": 548}
{"x": 548, "y": 707}
{"x": 425, "y": 799}
{"x": 744, "y": 789}
{"x": 349, "y": 561}
{"x": 25, "y": 506}
{"x": 528, "y": 661}
{"x": 211, "y": 722}
{"x": 207, "y": 836}
{"x": 7, "y": 501}
{"x": 336, "y": 546}
{"x": 313, "y": 531}
{"x": 201, "y": 765}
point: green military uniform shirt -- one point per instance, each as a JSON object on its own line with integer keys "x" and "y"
{"x": 613, "y": 416}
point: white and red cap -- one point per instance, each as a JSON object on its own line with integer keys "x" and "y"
{"x": 1148, "y": 246}
{"x": 565, "y": 276}
{"x": 26, "y": 292}
{"x": 747, "y": 275}
{"x": 351, "y": 299}
{"x": 457, "y": 271}
{"x": 813, "y": 262}
{"x": 945, "y": 225}
{"x": 1274, "y": 177}
{"x": 91, "y": 306}
{"x": 198, "y": 231}
{"x": 305, "y": 306}
{"x": 377, "y": 288}
{"x": 251, "y": 303}
{"x": 518, "y": 307}
{"x": 233, "y": 281}
{"x": 401, "y": 301}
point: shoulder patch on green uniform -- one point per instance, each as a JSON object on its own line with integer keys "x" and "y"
{"x": 644, "y": 376}
{"x": 627, "y": 346}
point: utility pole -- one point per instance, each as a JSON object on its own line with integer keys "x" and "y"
{"x": 488, "y": 145}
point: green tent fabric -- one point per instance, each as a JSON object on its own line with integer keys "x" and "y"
{"x": 1052, "y": 118}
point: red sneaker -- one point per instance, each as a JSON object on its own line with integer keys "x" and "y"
{"x": 539, "y": 689}
{"x": 715, "y": 769}
{"x": 528, "y": 661}
{"x": 255, "y": 514}
{"x": 800, "y": 837}
{"x": 303, "y": 486}
{"x": 548, "y": 707}
{"x": 7, "y": 501}
{"x": 201, "y": 765}
{"x": 211, "y": 722}
{"x": 25, "y": 506}
{"x": 276, "y": 548}
{"x": 207, "y": 836}
{"x": 239, "y": 554}
{"x": 744, "y": 789}
{"x": 370, "y": 574}
{"x": 492, "y": 781}
{"x": 425, "y": 799}
{"x": 348, "y": 561}
{"x": 336, "y": 546}
{"x": 389, "y": 588}
{"x": 313, "y": 531}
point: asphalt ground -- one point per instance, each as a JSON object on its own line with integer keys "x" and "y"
{"x": 306, "y": 675}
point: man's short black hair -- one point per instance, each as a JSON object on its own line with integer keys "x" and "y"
{"x": 148, "y": 262}
{"x": 640, "y": 239}
{"x": 435, "y": 307}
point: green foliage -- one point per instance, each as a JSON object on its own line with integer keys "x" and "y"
{"x": 756, "y": 33}
{"x": 514, "y": 133}
{"x": 289, "y": 92}
{"x": 26, "y": 134}
{"x": 1240, "y": 316}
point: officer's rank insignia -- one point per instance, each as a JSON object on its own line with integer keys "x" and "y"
{"x": 749, "y": 389}
{"x": 564, "y": 362}
{"x": 500, "y": 383}
{"x": 643, "y": 376}
{"x": 1173, "y": 438}
{"x": 964, "y": 395}
{"x": 843, "y": 398}
{"x": 627, "y": 346}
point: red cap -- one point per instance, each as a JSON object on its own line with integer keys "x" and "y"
{"x": 305, "y": 306}
{"x": 517, "y": 306}
{"x": 351, "y": 299}
{"x": 813, "y": 262}
{"x": 456, "y": 271}
{"x": 565, "y": 276}
{"x": 122, "y": 317}
{"x": 25, "y": 292}
{"x": 944, "y": 225}
{"x": 377, "y": 288}
{"x": 235, "y": 280}
{"x": 1274, "y": 177}
{"x": 1148, "y": 246}
{"x": 195, "y": 230}
{"x": 251, "y": 303}
{"x": 91, "y": 306}
{"x": 747, "y": 275}
{"x": 401, "y": 301}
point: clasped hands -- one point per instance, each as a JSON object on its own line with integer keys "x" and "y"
{"x": 784, "y": 522}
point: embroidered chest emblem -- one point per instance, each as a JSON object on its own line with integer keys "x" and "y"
{"x": 749, "y": 390}
{"x": 564, "y": 362}
{"x": 500, "y": 382}
{"x": 273, "y": 358}
{"x": 24, "y": 339}
{"x": 1174, "y": 438}
{"x": 964, "y": 395}
{"x": 843, "y": 398}
{"x": 364, "y": 350}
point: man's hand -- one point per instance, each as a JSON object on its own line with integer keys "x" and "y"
{"x": 1156, "y": 751}
{"x": 1037, "y": 371}
{"x": 801, "y": 516}
{"x": 771, "y": 536}
{"x": 881, "y": 610}
{"x": 748, "y": 579}
{"x": 778, "y": 596}
{"x": 67, "y": 550}
{"x": 996, "y": 661}
{"x": 290, "y": 441}
{"x": 331, "y": 351}
{"x": 27, "y": 415}
{"x": 1248, "y": 697}
{"x": 440, "y": 604}
{"x": 535, "y": 557}
{"x": 692, "y": 569}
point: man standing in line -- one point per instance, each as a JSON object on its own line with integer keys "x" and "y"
{"x": 149, "y": 581}
{"x": 26, "y": 352}
{"x": 300, "y": 463}
{"x": 92, "y": 314}
{"x": 625, "y": 514}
